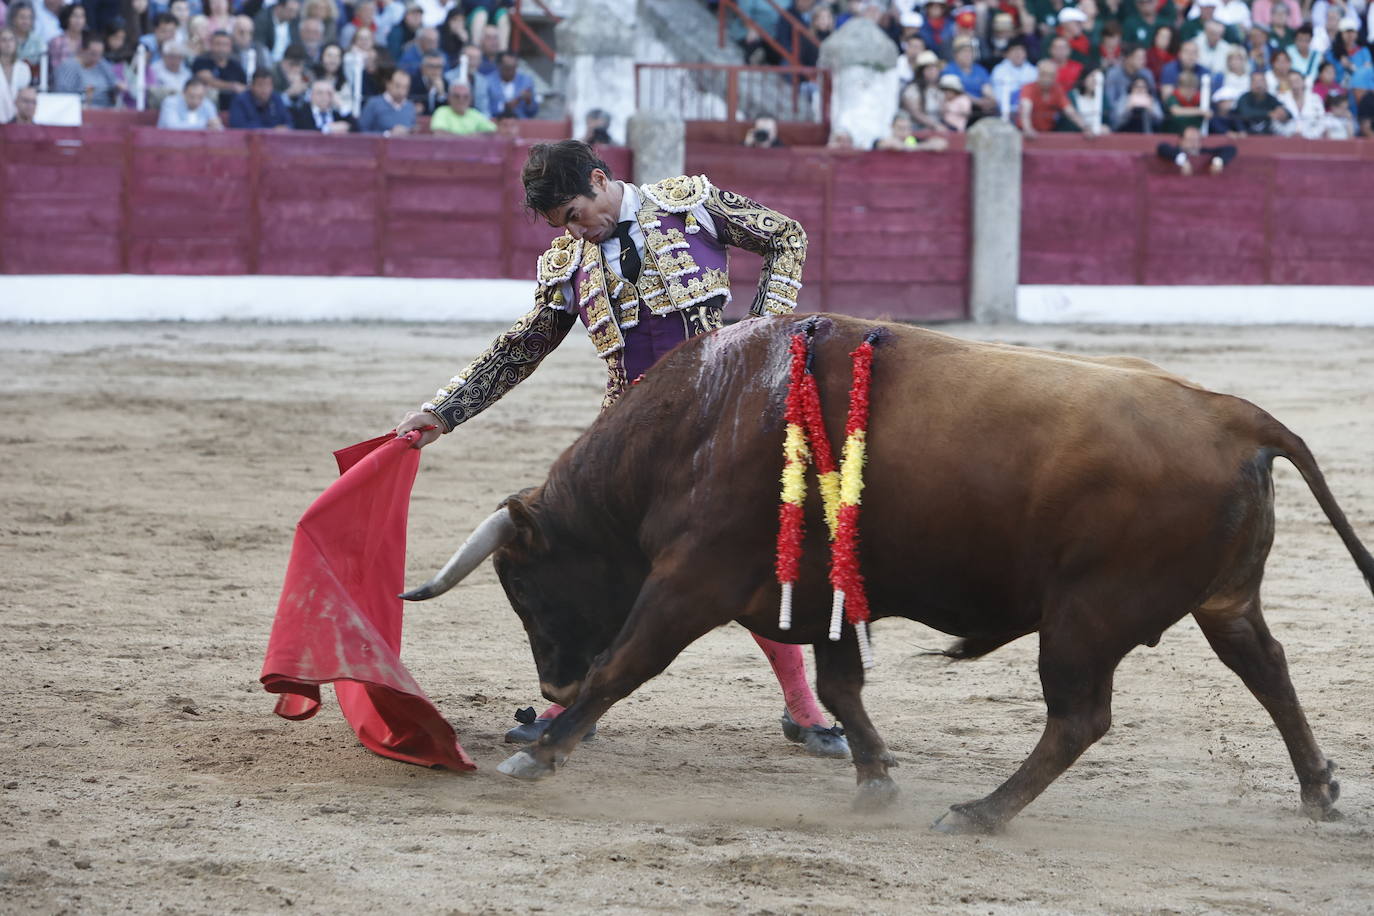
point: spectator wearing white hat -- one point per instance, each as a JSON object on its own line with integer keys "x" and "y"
{"x": 1345, "y": 52}
{"x": 922, "y": 98}
{"x": 1073, "y": 28}
{"x": 957, "y": 107}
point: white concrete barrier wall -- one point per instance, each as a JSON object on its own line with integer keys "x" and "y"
{"x": 131, "y": 297}
{"x": 254, "y": 298}
{"x": 1338, "y": 305}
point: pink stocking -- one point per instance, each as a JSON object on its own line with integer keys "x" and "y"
{"x": 789, "y": 667}
{"x": 553, "y": 712}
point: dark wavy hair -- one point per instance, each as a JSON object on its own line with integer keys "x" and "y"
{"x": 555, "y": 173}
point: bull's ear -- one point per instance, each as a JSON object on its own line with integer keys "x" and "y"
{"x": 527, "y": 533}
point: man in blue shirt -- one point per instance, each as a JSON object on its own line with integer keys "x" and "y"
{"x": 972, "y": 76}
{"x": 259, "y": 107}
{"x": 390, "y": 114}
{"x": 512, "y": 91}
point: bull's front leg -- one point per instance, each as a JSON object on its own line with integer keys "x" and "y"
{"x": 668, "y": 616}
{"x": 840, "y": 682}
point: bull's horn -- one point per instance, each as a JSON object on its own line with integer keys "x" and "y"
{"x": 496, "y": 530}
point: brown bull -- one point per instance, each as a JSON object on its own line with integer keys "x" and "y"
{"x": 1009, "y": 491}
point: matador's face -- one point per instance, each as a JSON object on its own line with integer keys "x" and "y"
{"x": 594, "y": 217}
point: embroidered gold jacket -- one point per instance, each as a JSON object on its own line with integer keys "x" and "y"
{"x": 682, "y": 267}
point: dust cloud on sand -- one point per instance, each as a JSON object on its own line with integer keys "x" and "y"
{"x": 151, "y": 478}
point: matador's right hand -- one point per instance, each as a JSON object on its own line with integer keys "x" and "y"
{"x": 422, "y": 420}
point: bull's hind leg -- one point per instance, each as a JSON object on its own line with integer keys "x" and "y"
{"x": 840, "y": 681}
{"x": 1241, "y": 639}
{"x": 1076, "y": 668}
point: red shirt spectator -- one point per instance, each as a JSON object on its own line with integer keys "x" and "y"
{"x": 1045, "y": 98}
{"x": 1068, "y": 70}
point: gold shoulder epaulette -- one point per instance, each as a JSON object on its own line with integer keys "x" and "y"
{"x": 680, "y": 194}
{"x": 556, "y": 265}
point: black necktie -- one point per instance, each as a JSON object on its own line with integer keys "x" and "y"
{"x": 629, "y": 254}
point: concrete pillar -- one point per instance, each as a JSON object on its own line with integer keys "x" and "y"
{"x": 596, "y": 47}
{"x": 862, "y": 61}
{"x": 658, "y": 140}
{"x": 995, "y": 265}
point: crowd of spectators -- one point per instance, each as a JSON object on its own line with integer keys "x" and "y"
{"x": 1282, "y": 67}
{"x": 333, "y": 66}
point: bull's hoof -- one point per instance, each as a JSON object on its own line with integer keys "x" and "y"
{"x": 875, "y": 795}
{"x": 531, "y": 729}
{"x": 963, "y": 819}
{"x": 1319, "y": 799}
{"x": 523, "y": 765}
{"x": 816, "y": 740}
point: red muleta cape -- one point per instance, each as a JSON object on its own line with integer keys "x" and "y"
{"x": 339, "y": 620}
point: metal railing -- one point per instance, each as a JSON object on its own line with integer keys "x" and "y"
{"x": 724, "y": 92}
{"x": 137, "y": 78}
{"x": 521, "y": 30}
{"x": 792, "y": 55}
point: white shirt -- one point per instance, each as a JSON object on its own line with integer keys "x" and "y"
{"x": 433, "y": 12}
{"x": 281, "y": 38}
{"x": 1234, "y": 12}
{"x": 610, "y": 249}
{"x": 1213, "y": 58}
{"x": 45, "y": 23}
{"x": 9, "y": 89}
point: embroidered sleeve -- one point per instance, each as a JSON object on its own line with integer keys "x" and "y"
{"x": 780, "y": 240}
{"x": 506, "y": 363}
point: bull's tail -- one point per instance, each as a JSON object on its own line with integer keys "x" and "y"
{"x": 1286, "y": 443}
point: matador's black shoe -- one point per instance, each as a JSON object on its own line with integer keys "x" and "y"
{"x": 531, "y": 727}
{"x": 814, "y": 739}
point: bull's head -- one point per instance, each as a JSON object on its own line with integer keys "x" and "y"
{"x": 572, "y": 595}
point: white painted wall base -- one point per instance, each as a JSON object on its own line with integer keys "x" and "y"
{"x": 1333, "y": 305}
{"x": 145, "y": 298}
{"x": 131, "y": 297}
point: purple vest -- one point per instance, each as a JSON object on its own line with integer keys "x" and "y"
{"x": 682, "y": 266}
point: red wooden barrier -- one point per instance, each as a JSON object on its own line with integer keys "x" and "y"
{"x": 889, "y": 232}
{"x": 128, "y": 199}
{"x": 1283, "y": 213}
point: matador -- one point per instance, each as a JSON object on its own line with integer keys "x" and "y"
{"x": 644, "y": 268}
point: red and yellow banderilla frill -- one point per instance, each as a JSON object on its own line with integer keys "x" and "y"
{"x": 841, "y": 489}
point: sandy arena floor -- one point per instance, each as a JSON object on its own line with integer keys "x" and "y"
{"x": 152, "y": 476}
